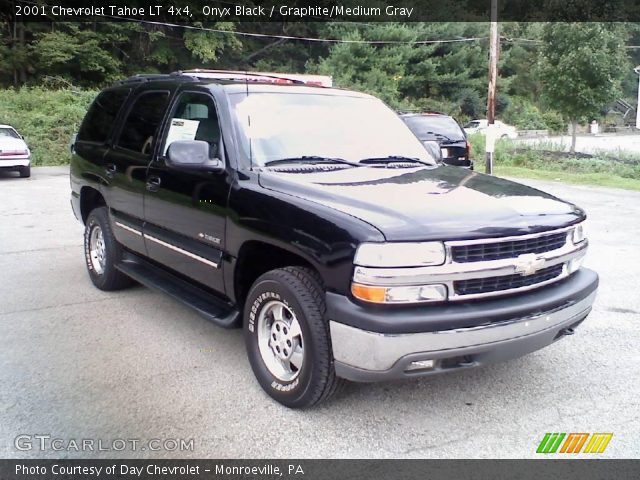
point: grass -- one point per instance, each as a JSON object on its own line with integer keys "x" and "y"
{"x": 597, "y": 179}
{"x": 46, "y": 118}
{"x": 546, "y": 161}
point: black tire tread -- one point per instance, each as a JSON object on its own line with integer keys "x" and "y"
{"x": 312, "y": 293}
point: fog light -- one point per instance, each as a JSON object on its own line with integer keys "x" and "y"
{"x": 403, "y": 294}
{"x": 421, "y": 365}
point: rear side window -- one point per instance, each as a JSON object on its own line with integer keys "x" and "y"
{"x": 426, "y": 126}
{"x": 142, "y": 124}
{"x": 102, "y": 114}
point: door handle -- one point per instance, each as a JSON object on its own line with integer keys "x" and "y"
{"x": 153, "y": 183}
{"x": 110, "y": 170}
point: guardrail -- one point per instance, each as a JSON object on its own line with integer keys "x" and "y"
{"x": 532, "y": 133}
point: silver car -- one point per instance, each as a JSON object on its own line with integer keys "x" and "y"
{"x": 14, "y": 152}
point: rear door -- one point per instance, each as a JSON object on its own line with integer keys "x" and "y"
{"x": 126, "y": 164}
{"x": 93, "y": 140}
{"x": 185, "y": 211}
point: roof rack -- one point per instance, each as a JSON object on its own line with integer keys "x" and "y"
{"x": 238, "y": 75}
{"x": 148, "y": 77}
{"x": 263, "y": 77}
{"x": 233, "y": 75}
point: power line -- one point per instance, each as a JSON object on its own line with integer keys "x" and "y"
{"x": 285, "y": 37}
{"x": 304, "y": 39}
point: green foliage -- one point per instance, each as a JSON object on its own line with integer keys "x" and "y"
{"x": 471, "y": 104}
{"x": 522, "y": 113}
{"x": 405, "y": 74}
{"x": 554, "y": 121}
{"x": 580, "y": 66}
{"x": 208, "y": 46}
{"x": 46, "y": 119}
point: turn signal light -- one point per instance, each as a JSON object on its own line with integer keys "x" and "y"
{"x": 399, "y": 294}
{"x": 368, "y": 293}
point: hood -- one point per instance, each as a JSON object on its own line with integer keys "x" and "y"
{"x": 428, "y": 203}
{"x": 8, "y": 143}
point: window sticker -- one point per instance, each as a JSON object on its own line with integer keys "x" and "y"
{"x": 181, "y": 129}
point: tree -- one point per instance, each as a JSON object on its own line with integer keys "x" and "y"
{"x": 581, "y": 67}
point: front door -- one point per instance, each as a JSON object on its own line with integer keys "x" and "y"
{"x": 185, "y": 211}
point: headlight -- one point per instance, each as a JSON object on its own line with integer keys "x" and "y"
{"x": 579, "y": 233}
{"x": 400, "y": 294}
{"x": 400, "y": 254}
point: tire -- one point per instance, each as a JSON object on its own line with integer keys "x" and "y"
{"x": 25, "y": 172}
{"x": 308, "y": 377}
{"x": 101, "y": 260}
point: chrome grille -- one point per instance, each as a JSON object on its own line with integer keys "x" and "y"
{"x": 480, "y": 252}
{"x": 490, "y": 267}
{"x": 476, "y": 286}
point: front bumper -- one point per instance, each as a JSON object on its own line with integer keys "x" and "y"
{"x": 478, "y": 333}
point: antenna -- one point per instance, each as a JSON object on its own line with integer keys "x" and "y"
{"x": 246, "y": 87}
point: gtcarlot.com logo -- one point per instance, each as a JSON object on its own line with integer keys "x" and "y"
{"x": 574, "y": 442}
{"x": 47, "y": 442}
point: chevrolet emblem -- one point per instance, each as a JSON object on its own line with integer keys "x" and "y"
{"x": 528, "y": 264}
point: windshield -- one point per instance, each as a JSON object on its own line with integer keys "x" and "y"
{"x": 426, "y": 126}
{"x": 275, "y": 126}
{"x": 8, "y": 132}
{"x": 474, "y": 124}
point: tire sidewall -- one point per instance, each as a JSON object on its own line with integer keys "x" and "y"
{"x": 293, "y": 392}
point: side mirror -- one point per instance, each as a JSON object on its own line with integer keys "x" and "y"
{"x": 192, "y": 155}
{"x": 72, "y": 143}
{"x": 434, "y": 149}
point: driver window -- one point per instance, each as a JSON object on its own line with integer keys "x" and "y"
{"x": 195, "y": 118}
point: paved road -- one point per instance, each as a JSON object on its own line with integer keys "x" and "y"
{"x": 79, "y": 363}
{"x": 611, "y": 143}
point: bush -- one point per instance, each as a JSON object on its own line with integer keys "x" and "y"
{"x": 46, "y": 118}
{"x": 526, "y": 116}
{"x": 471, "y": 104}
{"x": 554, "y": 122}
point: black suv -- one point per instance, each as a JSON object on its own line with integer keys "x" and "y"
{"x": 446, "y": 132}
{"x": 314, "y": 219}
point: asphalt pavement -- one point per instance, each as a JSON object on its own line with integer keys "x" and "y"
{"x": 80, "y": 364}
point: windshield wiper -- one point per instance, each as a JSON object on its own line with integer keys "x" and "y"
{"x": 393, "y": 159}
{"x": 441, "y": 135}
{"x": 310, "y": 159}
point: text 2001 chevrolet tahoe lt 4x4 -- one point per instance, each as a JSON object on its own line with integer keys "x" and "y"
{"x": 313, "y": 218}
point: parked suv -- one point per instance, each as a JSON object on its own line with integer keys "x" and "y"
{"x": 314, "y": 219}
{"x": 446, "y": 132}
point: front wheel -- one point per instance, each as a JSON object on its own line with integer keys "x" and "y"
{"x": 287, "y": 337}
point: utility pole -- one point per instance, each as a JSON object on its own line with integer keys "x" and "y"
{"x": 490, "y": 138}
{"x": 637, "y": 70}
